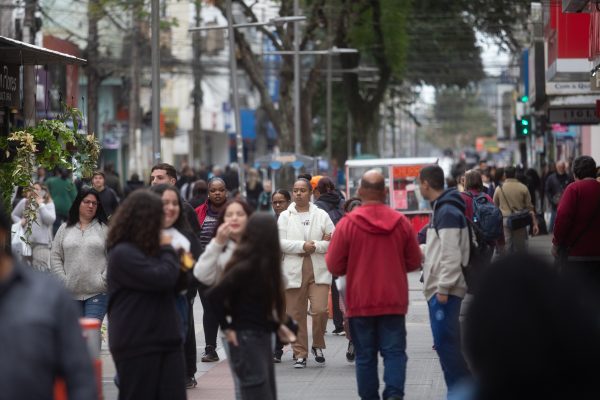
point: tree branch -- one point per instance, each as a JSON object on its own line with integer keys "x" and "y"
{"x": 248, "y": 12}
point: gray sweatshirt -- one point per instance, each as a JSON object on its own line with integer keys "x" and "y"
{"x": 79, "y": 259}
{"x": 41, "y": 230}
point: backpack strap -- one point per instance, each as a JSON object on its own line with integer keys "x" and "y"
{"x": 507, "y": 202}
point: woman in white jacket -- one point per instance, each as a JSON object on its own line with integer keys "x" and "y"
{"x": 209, "y": 267}
{"x": 305, "y": 231}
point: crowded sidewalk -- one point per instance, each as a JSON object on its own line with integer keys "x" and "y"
{"x": 337, "y": 379}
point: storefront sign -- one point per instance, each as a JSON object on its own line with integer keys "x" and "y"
{"x": 9, "y": 85}
{"x": 554, "y": 88}
{"x": 573, "y": 116}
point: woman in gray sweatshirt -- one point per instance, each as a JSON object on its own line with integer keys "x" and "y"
{"x": 78, "y": 255}
{"x": 41, "y": 229}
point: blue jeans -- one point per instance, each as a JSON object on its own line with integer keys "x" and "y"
{"x": 94, "y": 307}
{"x": 385, "y": 334}
{"x": 445, "y": 328}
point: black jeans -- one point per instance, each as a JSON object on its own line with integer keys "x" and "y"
{"x": 338, "y": 316}
{"x": 252, "y": 365}
{"x": 209, "y": 320}
{"x": 155, "y": 376}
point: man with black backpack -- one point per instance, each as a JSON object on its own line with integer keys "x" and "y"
{"x": 328, "y": 200}
{"x": 447, "y": 250}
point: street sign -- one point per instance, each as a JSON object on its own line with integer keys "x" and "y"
{"x": 9, "y": 85}
{"x": 573, "y": 115}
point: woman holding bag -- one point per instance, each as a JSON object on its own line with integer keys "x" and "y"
{"x": 305, "y": 231}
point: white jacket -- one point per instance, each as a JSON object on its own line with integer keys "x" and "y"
{"x": 212, "y": 262}
{"x": 291, "y": 235}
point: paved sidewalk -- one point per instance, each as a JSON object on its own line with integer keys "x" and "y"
{"x": 336, "y": 380}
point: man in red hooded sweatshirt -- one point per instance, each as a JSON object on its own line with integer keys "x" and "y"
{"x": 375, "y": 247}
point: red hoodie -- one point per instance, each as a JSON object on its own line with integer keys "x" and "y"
{"x": 375, "y": 247}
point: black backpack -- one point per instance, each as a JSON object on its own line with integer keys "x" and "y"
{"x": 486, "y": 217}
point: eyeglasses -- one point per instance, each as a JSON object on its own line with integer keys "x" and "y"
{"x": 90, "y": 203}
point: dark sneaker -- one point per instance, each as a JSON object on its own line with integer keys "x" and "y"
{"x": 210, "y": 354}
{"x": 319, "y": 357}
{"x": 350, "y": 356}
{"x": 277, "y": 356}
{"x": 190, "y": 382}
{"x": 339, "y": 332}
{"x": 300, "y": 363}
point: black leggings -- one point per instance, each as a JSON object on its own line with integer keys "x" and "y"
{"x": 209, "y": 320}
{"x": 191, "y": 356}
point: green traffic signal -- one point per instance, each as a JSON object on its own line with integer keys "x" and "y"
{"x": 524, "y": 99}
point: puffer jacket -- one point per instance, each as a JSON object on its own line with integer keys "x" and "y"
{"x": 291, "y": 235}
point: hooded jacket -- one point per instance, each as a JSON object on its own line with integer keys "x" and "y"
{"x": 332, "y": 204}
{"x": 447, "y": 247}
{"x": 291, "y": 235}
{"x": 375, "y": 247}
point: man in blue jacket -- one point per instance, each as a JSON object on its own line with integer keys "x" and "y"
{"x": 446, "y": 250}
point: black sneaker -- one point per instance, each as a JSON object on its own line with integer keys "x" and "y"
{"x": 190, "y": 382}
{"x": 318, "y": 353}
{"x": 350, "y": 356}
{"x": 339, "y": 332}
{"x": 277, "y": 356}
{"x": 300, "y": 363}
{"x": 210, "y": 354}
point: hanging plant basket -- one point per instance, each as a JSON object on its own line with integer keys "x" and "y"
{"x": 50, "y": 144}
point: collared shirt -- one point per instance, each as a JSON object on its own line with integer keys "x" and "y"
{"x": 40, "y": 339}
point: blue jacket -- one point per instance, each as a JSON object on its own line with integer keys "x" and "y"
{"x": 447, "y": 247}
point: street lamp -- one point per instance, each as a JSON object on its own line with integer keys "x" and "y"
{"x": 233, "y": 69}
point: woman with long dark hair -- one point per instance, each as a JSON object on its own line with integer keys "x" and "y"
{"x": 249, "y": 302}
{"x": 184, "y": 240}
{"x": 144, "y": 331}
{"x": 78, "y": 255}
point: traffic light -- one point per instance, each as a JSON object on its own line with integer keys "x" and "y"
{"x": 523, "y": 126}
{"x": 524, "y": 99}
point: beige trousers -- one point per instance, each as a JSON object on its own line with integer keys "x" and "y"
{"x": 516, "y": 241}
{"x": 297, "y": 304}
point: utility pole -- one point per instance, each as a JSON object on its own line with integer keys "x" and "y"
{"x": 297, "y": 83}
{"x": 29, "y": 84}
{"x": 328, "y": 116}
{"x": 93, "y": 76}
{"x": 134, "y": 92}
{"x": 155, "y": 83}
{"x": 197, "y": 141}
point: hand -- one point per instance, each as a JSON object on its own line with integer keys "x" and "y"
{"x": 309, "y": 247}
{"x": 231, "y": 337}
{"x": 285, "y": 334}
{"x": 165, "y": 240}
{"x": 39, "y": 200}
{"x": 327, "y": 237}
{"x": 441, "y": 298}
{"x": 23, "y": 222}
{"x": 536, "y": 230}
{"x": 223, "y": 233}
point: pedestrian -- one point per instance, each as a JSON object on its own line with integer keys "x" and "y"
{"x": 264, "y": 199}
{"x": 513, "y": 198}
{"x": 133, "y": 184}
{"x": 184, "y": 241}
{"x": 249, "y": 301}
{"x": 199, "y": 193}
{"x": 446, "y": 249}
{"x": 328, "y": 200}
{"x": 528, "y": 335}
{"x": 229, "y": 227}
{"x": 280, "y": 201}
{"x": 78, "y": 255}
{"x": 351, "y": 204}
{"x": 305, "y": 231}
{"x": 113, "y": 180}
{"x": 41, "y": 230}
{"x": 108, "y": 197}
{"x": 253, "y": 188}
{"x": 231, "y": 176}
{"x": 63, "y": 193}
{"x": 40, "y": 333}
{"x": 375, "y": 248}
{"x": 577, "y": 228}
{"x": 556, "y": 183}
{"x": 144, "y": 326}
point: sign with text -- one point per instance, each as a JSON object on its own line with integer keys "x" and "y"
{"x": 9, "y": 85}
{"x": 560, "y": 88}
{"x": 573, "y": 116}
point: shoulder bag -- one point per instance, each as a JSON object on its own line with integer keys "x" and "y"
{"x": 518, "y": 219}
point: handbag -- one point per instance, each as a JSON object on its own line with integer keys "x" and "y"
{"x": 19, "y": 247}
{"x": 518, "y": 219}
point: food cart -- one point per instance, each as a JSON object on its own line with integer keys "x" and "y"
{"x": 401, "y": 183}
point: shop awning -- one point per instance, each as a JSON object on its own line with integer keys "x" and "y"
{"x": 16, "y": 52}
